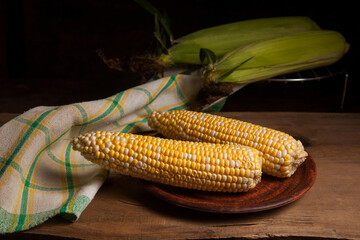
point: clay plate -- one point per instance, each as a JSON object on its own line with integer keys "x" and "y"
{"x": 271, "y": 193}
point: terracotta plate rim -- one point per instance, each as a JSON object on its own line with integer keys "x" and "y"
{"x": 187, "y": 198}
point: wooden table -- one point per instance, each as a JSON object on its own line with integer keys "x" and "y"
{"x": 122, "y": 209}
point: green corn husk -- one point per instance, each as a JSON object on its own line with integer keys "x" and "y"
{"x": 224, "y": 38}
{"x": 265, "y": 59}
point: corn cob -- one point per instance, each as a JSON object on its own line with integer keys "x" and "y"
{"x": 269, "y": 58}
{"x": 224, "y": 38}
{"x": 282, "y": 154}
{"x": 202, "y": 166}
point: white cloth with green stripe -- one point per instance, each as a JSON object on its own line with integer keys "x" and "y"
{"x": 40, "y": 175}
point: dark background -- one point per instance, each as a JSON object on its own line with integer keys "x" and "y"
{"x": 48, "y": 50}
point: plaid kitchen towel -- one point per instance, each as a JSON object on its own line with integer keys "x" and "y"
{"x": 40, "y": 175}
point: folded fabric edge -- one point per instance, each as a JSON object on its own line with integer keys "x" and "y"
{"x": 6, "y": 218}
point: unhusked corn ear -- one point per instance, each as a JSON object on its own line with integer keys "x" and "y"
{"x": 194, "y": 165}
{"x": 268, "y": 58}
{"x": 282, "y": 154}
{"x": 224, "y": 38}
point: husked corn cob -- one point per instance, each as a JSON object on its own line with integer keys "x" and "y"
{"x": 194, "y": 165}
{"x": 282, "y": 154}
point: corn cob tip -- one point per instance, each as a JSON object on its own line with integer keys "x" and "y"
{"x": 201, "y": 166}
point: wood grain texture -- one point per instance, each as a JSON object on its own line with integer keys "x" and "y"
{"x": 122, "y": 209}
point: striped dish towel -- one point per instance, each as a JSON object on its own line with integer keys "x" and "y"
{"x": 40, "y": 175}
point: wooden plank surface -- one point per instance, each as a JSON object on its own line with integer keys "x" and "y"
{"x": 122, "y": 209}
